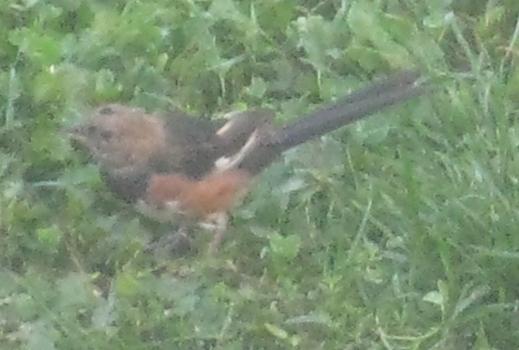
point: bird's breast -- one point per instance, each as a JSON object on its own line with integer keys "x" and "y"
{"x": 170, "y": 195}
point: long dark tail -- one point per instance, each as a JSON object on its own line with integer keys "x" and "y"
{"x": 380, "y": 94}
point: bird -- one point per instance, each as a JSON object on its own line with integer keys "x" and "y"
{"x": 173, "y": 166}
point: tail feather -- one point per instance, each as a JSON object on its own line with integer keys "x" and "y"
{"x": 378, "y": 95}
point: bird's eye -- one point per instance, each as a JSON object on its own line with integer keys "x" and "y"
{"x": 106, "y": 134}
{"x": 106, "y": 110}
{"x": 91, "y": 129}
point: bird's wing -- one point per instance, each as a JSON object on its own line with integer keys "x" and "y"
{"x": 196, "y": 144}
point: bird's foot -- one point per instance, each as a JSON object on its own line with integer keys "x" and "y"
{"x": 174, "y": 244}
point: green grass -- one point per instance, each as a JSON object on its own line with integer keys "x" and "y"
{"x": 400, "y": 232}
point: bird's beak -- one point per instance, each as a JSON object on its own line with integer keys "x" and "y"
{"x": 76, "y": 134}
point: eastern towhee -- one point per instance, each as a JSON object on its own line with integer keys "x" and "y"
{"x": 198, "y": 168}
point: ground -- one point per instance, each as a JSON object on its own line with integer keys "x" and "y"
{"x": 398, "y": 232}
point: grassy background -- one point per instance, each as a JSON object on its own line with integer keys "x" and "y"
{"x": 400, "y": 232}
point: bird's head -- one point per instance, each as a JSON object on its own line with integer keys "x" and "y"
{"x": 118, "y": 137}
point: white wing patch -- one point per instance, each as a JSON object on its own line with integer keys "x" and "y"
{"x": 227, "y": 126}
{"x": 226, "y": 163}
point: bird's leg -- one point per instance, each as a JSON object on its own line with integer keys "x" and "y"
{"x": 177, "y": 242}
{"x": 217, "y": 224}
